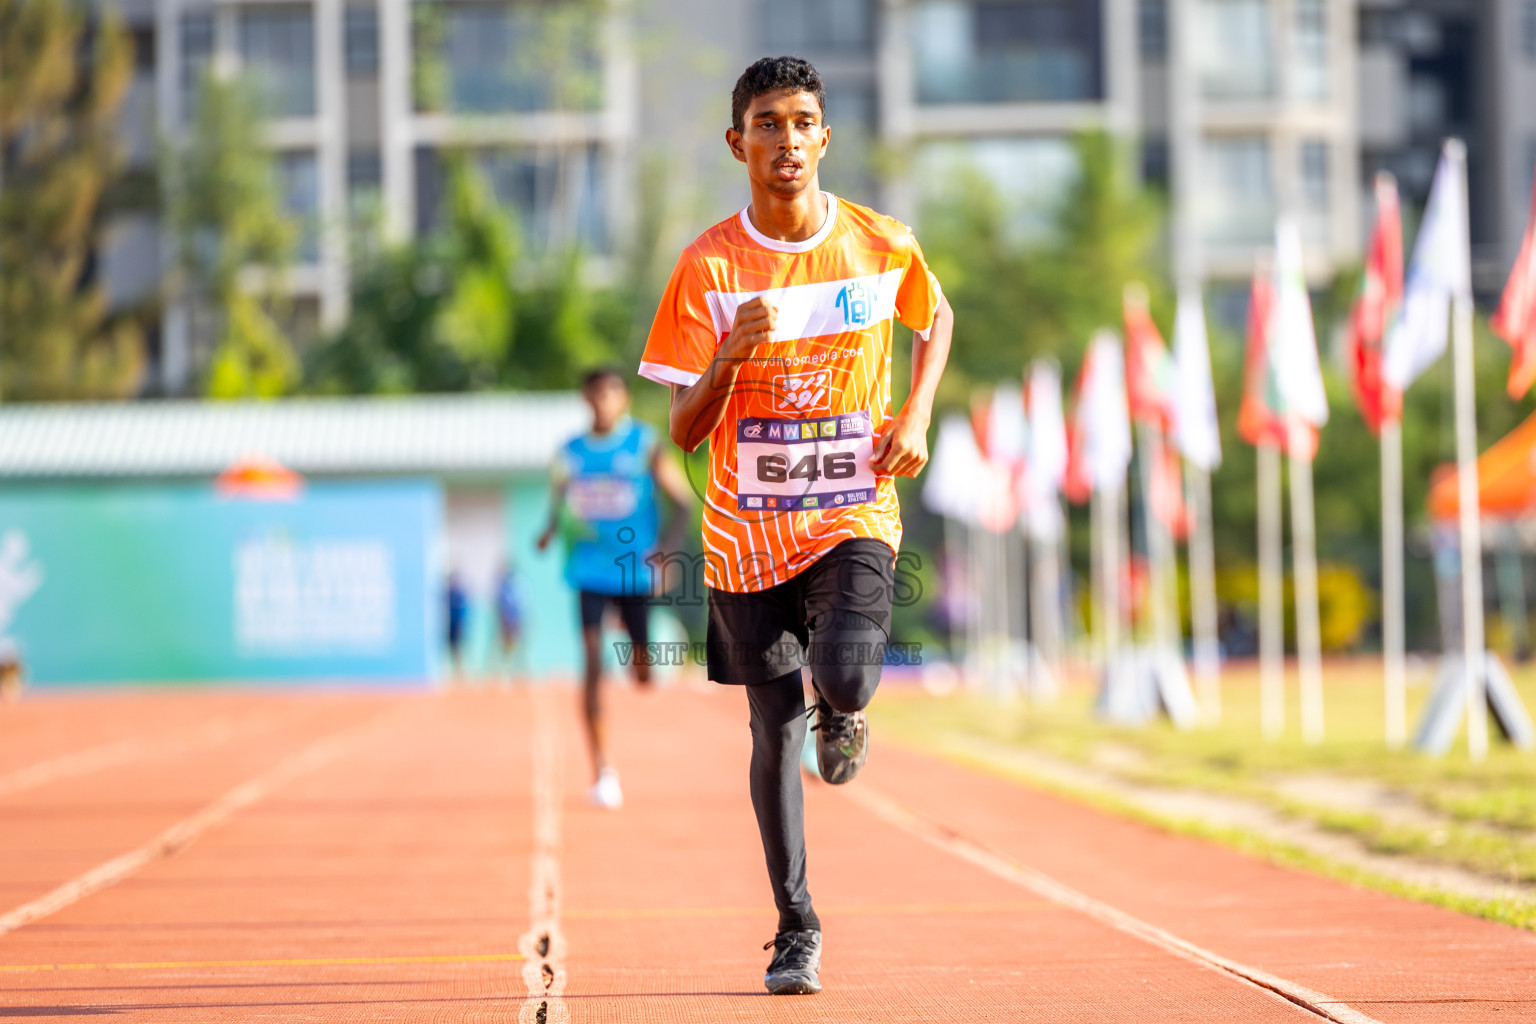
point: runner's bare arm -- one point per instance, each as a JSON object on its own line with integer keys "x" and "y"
{"x": 673, "y": 483}
{"x": 669, "y": 477}
{"x": 903, "y": 449}
{"x": 698, "y": 408}
{"x": 556, "y": 502}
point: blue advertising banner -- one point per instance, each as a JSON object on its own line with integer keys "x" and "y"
{"x": 176, "y": 583}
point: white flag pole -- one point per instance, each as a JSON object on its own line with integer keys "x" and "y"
{"x": 1472, "y": 640}
{"x": 1158, "y": 547}
{"x": 1099, "y": 600}
{"x": 953, "y": 546}
{"x": 1392, "y": 583}
{"x": 1271, "y": 594}
{"x": 1309, "y": 654}
{"x": 1202, "y": 593}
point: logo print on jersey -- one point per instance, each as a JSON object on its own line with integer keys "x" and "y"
{"x": 856, "y": 302}
{"x": 803, "y": 392}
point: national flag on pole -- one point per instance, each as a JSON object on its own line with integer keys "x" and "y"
{"x": 1515, "y": 320}
{"x": 1007, "y": 431}
{"x": 1195, "y": 430}
{"x": 1150, "y": 376}
{"x": 1099, "y": 441}
{"x": 1441, "y": 270}
{"x": 1381, "y": 292}
{"x": 1258, "y": 421}
{"x": 1045, "y": 459}
{"x": 961, "y": 482}
{"x": 998, "y": 433}
{"x": 1296, "y": 377}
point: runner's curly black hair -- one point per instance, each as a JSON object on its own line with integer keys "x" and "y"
{"x": 769, "y": 74}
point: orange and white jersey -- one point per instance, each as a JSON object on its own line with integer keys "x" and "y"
{"x": 789, "y": 473}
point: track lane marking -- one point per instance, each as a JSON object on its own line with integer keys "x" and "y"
{"x": 890, "y": 811}
{"x": 543, "y": 944}
{"x": 334, "y": 961}
{"x": 186, "y": 831}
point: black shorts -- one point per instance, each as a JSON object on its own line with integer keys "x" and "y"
{"x": 836, "y": 612}
{"x": 634, "y": 612}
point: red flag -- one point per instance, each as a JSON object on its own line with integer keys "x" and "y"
{"x": 1149, "y": 370}
{"x": 1257, "y": 421}
{"x": 1167, "y": 493}
{"x": 1515, "y": 321}
{"x": 1381, "y": 292}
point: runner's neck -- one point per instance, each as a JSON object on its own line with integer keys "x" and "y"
{"x": 798, "y": 220}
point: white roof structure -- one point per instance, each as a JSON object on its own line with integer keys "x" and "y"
{"x": 445, "y": 435}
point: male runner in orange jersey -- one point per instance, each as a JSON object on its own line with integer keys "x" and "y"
{"x": 775, "y": 337}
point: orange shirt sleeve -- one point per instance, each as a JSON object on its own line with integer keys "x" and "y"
{"x": 683, "y": 338}
{"x": 917, "y": 299}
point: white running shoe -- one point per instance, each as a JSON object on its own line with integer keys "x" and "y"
{"x": 606, "y": 791}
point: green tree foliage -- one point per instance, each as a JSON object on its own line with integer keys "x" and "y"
{"x": 1021, "y": 295}
{"x": 466, "y": 309}
{"x": 62, "y": 80}
{"x": 225, "y": 213}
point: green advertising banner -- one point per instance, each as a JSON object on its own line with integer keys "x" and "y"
{"x": 176, "y": 583}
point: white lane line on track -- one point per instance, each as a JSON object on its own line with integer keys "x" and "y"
{"x": 935, "y": 834}
{"x": 186, "y": 831}
{"x": 211, "y": 733}
{"x": 543, "y": 944}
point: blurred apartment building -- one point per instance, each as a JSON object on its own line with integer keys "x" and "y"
{"x": 1293, "y": 103}
{"x": 364, "y": 97}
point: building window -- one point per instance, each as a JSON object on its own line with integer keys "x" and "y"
{"x": 277, "y": 49}
{"x": 1311, "y": 43}
{"x": 1154, "y": 161}
{"x": 812, "y": 26}
{"x": 1234, "y": 49}
{"x": 1007, "y": 51}
{"x": 1029, "y": 177}
{"x": 361, "y": 30}
{"x": 1528, "y": 28}
{"x": 143, "y": 50}
{"x": 1314, "y": 174}
{"x": 1237, "y": 204}
{"x": 365, "y": 177}
{"x": 196, "y": 55}
{"x": 1152, "y": 29}
{"x": 298, "y": 185}
{"x": 478, "y": 57}
{"x": 557, "y": 196}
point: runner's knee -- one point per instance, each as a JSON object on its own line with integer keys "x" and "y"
{"x": 848, "y": 687}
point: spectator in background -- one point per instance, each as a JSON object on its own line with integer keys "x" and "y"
{"x": 604, "y": 502}
{"x": 458, "y": 614}
{"x": 509, "y": 613}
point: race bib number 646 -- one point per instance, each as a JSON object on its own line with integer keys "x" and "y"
{"x": 804, "y": 464}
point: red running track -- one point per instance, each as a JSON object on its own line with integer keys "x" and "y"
{"x": 431, "y": 858}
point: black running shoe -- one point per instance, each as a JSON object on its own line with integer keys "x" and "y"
{"x": 796, "y": 966}
{"x": 842, "y": 743}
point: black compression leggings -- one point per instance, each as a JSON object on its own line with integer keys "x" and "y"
{"x": 778, "y": 735}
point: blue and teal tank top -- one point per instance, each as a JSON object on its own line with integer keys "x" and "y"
{"x": 610, "y": 507}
